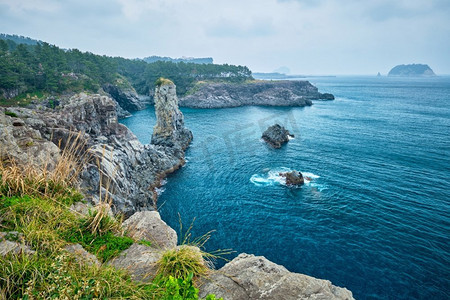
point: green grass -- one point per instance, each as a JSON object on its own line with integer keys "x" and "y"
{"x": 105, "y": 246}
{"x": 11, "y": 114}
{"x": 163, "y": 81}
{"x": 36, "y": 204}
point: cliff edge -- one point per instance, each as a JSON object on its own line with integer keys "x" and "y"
{"x": 260, "y": 92}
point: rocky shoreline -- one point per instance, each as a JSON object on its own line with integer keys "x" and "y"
{"x": 263, "y": 93}
{"x": 133, "y": 171}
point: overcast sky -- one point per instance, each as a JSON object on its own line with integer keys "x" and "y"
{"x": 307, "y": 36}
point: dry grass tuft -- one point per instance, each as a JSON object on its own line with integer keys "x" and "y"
{"x": 29, "y": 179}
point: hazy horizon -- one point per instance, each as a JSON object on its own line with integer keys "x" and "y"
{"x": 323, "y": 37}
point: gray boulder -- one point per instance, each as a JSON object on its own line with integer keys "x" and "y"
{"x": 255, "y": 277}
{"x": 81, "y": 255}
{"x": 147, "y": 225}
{"x": 276, "y": 136}
{"x": 139, "y": 261}
{"x": 10, "y": 247}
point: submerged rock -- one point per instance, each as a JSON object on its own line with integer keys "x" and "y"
{"x": 276, "y": 136}
{"x": 254, "y": 277}
{"x": 293, "y": 178}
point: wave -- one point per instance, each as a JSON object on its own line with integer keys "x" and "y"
{"x": 272, "y": 177}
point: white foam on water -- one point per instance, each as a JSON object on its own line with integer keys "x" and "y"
{"x": 272, "y": 177}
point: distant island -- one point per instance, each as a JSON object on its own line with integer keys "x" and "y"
{"x": 413, "y": 70}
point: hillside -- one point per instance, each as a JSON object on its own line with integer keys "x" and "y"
{"x": 43, "y": 69}
{"x": 412, "y": 70}
{"x": 202, "y": 60}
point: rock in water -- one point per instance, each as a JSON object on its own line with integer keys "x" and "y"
{"x": 293, "y": 178}
{"x": 254, "y": 277}
{"x": 276, "y": 136}
{"x": 169, "y": 129}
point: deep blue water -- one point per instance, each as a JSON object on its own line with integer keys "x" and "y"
{"x": 376, "y": 216}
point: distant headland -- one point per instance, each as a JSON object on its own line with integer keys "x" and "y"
{"x": 413, "y": 70}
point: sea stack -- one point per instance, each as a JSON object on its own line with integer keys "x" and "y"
{"x": 276, "y": 135}
{"x": 169, "y": 130}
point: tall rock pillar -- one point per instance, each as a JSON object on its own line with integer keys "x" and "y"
{"x": 169, "y": 130}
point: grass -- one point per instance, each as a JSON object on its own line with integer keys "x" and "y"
{"x": 162, "y": 81}
{"x": 23, "y": 99}
{"x": 11, "y": 114}
{"x": 35, "y": 202}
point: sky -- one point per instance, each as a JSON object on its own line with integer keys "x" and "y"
{"x": 313, "y": 37}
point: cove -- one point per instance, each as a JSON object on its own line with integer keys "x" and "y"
{"x": 374, "y": 219}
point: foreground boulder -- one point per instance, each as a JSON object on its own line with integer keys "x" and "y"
{"x": 81, "y": 255}
{"x": 254, "y": 277}
{"x": 293, "y": 178}
{"x": 276, "y": 136}
{"x": 147, "y": 225}
{"x": 139, "y": 261}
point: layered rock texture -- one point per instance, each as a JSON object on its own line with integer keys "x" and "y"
{"x": 276, "y": 135}
{"x": 127, "y": 99}
{"x": 250, "y": 277}
{"x": 117, "y": 160}
{"x": 267, "y": 93}
{"x": 169, "y": 129}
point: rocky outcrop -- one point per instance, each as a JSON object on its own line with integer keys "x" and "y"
{"x": 255, "y": 277}
{"x": 169, "y": 130}
{"x": 127, "y": 99}
{"x": 81, "y": 255}
{"x": 413, "y": 70}
{"x": 293, "y": 178}
{"x": 117, "y": 160}
{"x": 139, "y": 261}
{"x": 22, "y": 143}
{"x": 276, "y": 136}
{"x": 267, "y": 93}
{"x": 147, "y": 225}
{"x": 13, "y": 243}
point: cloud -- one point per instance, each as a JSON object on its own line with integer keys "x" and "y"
{"x": 254, "y": 28}
{"x": 26, "y": 6}
{"x": 317, "y": 37}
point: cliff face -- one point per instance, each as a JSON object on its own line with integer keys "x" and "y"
{"x": 127, "y": 99}
{"x": 169, "y": 129}
{"x": 267, "y": 93}
{"x": 132, "y": 170}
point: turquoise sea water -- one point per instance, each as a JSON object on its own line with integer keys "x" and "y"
{"x": 375, "y": 217}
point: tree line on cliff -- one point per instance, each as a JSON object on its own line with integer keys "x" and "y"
{"x": 47, "y": 68}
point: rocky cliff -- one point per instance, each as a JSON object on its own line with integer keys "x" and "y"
{"x": 268, "y": 93}
{"x": 118, "y": 161}
{"x": 127, "y": 99}
{"x": 169, "y": 129}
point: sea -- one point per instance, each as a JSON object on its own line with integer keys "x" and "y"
{"x": 374, "y": 214}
